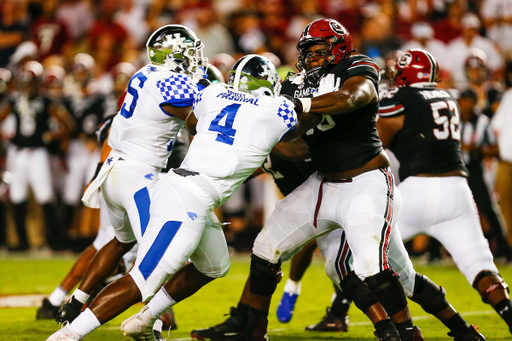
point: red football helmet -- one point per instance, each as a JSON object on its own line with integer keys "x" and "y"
{"x": 336, "y": 39}
{"x": 417, "y": 67}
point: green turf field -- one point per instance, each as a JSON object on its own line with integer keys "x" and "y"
{"x": 31, "y": 275}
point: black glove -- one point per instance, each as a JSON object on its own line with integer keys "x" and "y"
{"x": 203, "y": 83}
{"x": 298, "y": 104}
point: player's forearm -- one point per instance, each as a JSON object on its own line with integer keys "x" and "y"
{"x": 342, "y": 101}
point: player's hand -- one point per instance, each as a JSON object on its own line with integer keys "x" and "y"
{"x": 328, "y": 84}
{"x": 203, "y": 83}
{"x": 298, "y": 107}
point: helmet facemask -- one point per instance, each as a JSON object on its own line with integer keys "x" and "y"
{"x": 176, "y": 48}
{"x": 306, "y": 57}
{"x": 256, "y": 75}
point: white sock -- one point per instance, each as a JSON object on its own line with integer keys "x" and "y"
{"x": 292, "y": 287}
{"x": 158, "y": 325}
{"x": 58, "y": 296}
{"x": 85, "y": 323}
{"x": 160, "y": 303}
{"x": 81, "y": 296}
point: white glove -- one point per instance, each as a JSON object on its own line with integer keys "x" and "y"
{"x": 329, "y": 83}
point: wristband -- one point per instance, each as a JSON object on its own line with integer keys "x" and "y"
{"x": 306, "y": 104}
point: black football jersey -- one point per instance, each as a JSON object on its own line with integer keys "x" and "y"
{"x": 345, "y": 141}
{"x": 32, "y": 120}
{"x": 88, "y": 113}
{"x": 287, "y": 175}
{"x": 429, "y": 142}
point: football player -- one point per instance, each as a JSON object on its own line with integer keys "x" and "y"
{"x": 27, "y": 157}
{"x": 235, "y": 130}
{"x": 352, "y": 188}
{"x": 420, "y": 124}
{"x": 142, "y": 135}
{"x": 83, "y": 153}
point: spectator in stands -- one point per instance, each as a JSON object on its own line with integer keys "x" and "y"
{"x": 376, "y": 37}
{"x": 497, "y": 18}
{"x": 132, "y": 17}
{"x": 247, "y": 33}
{"x": 423, "y": 38}
{"x": 460, "y": 48}
{"x": 215, "y": 36}
{"x": 450, "y": 27}
{"x": 78, "y": 16}
{"x": 48, "y": 32}
{"x": 12, "y": 30}
{"x": 106, "y": 37}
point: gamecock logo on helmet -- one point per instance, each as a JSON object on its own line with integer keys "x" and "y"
{"x": 336, "y": 27}
{"x": 405, "y": 60}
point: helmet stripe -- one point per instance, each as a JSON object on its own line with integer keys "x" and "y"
{"x": 239, "y": 69}
{"x": 433, "y": 70}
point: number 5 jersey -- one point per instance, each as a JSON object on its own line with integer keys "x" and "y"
{"x": 143, "y": 130}
{"x": 429, "y": 142}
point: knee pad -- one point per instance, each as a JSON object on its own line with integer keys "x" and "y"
{"x": 388, "y": 290}
{"x": 359, "y": 293}
{"x": 488, "y": 281}
{"x": 264, "y": 276}
{"x": 430, "y": 296}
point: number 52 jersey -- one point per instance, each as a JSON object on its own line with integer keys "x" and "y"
{"x": 235, "y": 133}
{"x": 429, "y": 141}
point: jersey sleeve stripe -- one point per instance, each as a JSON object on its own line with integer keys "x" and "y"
{"x": 359, "y": 64}
{"x": 391, "y": 111}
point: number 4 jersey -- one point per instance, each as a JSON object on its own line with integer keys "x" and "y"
{"x": 235, "y": 133}
{"x": 142, "y": 129}
{"x": 429, "y": 141}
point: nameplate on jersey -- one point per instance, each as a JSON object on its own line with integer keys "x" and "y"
{"x": 238, "y": 97}
{"x": 433, "y": 94}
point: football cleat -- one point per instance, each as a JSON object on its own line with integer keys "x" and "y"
{"x": 69, "y": 311}
{"x": 47, "y": 311}
{"x": 471, "y": 334}
{"x": 411, "y": 334}
{"x": 226, "y": 330}
{"x": 140, "y": 326}
{"x": 286, "y": 307}
{"x": 257, "y": 331}
{"x": 330, "y": 323}
{"x": 65, "y": 334}
{"x": 388, "y": 334}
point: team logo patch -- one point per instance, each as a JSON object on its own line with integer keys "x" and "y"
{"x": 336, "y": 27}
{"x": 192, "y": 215}
{"x": 405, "y": 60}
{"x": 109, "y": 160}
{"x": 149, "y": 176}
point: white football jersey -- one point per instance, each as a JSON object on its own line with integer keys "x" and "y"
{"x": 235, "y": 133}
{"x": 142, "y": 129}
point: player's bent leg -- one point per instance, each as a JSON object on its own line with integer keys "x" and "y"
{"x": 102, "y": 265}
{"x": 432, "y": 298}
{"x": 299, "y": 264}
{"x": 494, "y": 291}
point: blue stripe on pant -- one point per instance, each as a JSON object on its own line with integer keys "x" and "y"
{"x": 142, "y": 201}
{"x": 160, "y": 245}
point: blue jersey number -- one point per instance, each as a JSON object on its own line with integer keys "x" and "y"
{"x": 226, "y": 132}
{"x": 135, "y": 95}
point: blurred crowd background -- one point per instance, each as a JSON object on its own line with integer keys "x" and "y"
{"x": 81, "y": 53}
